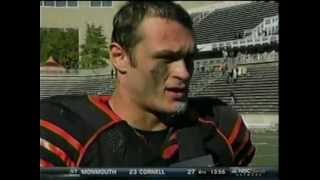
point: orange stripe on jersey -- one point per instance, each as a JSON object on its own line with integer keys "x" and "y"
{"x": 57, "y": 151}
{"x": 170, "y": 151}
{"x": 93, "y": 138}
{"x": 173, "y": 136}
{"x": 44, "y": 163}
{"x": 101, "y": 102}
{"x": 62, "y": 133}
{"x": 235, "y": 131}
{"x": 244, "y": 142}
{"x": 220, "y": 133}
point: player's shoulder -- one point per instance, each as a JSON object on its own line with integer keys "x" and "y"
{"x": 75, "y": 114}
{"x": 61, "y": 100}
{"x": 211, "y": 106}
{"x": 230, "y": 123}
{"x": 62, "y": 106}
{"x": 68, "y": 124}
{"x": 77, "y": 104}
{"x": 222, "y": 114}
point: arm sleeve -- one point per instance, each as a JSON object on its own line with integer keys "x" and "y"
{"x": 232, "y": 125}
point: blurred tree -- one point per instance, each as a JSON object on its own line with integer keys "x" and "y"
{"x": 61, "y": 44}
{"x": 94, "y": 52}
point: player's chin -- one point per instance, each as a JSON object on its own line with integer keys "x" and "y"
{"x": 176, "y": 106}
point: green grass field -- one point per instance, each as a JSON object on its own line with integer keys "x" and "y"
{"x": 267, "y": 149}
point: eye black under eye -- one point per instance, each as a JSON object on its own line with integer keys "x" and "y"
{"x": 169, "y": 59}
{"x": 173, "y": 57}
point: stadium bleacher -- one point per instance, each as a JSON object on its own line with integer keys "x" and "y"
{"x": 224, "y": 24}
{"x": 65, "y": 83}
{"x": 257, "y": 91}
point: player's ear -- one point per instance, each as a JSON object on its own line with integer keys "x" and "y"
{"x": 119, "y": 58}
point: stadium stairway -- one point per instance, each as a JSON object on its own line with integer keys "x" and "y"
{"x": 257, "y": 91}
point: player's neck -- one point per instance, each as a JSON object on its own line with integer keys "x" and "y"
{"x": 137, "y": 117}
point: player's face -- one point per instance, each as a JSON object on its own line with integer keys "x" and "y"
{"x": 164, "y": 66}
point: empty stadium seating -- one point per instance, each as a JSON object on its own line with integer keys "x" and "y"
{"x": 66, "y": 83}
{"x": 224, "y": 24}
{"x": 198, "y": 16}
{"x": 257, "y": 91}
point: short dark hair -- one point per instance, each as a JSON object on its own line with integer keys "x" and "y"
{"x": 129, "y": 17}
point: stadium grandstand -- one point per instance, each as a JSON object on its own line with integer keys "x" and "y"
{"x": 247, "y": 33}
{"x": 228, "y": 24}
{"x": 240, "y": 41}
{"x": 237, "y": 62}
{"x": 243, "y": 36}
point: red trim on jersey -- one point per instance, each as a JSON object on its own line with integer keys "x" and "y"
{"x": 235, "y": 131}
{"x": 62, "y": 133}
{"x": 93, "y": 138}
{"x": 101, "y": 102}
{"x": 211, "y": 122}
{"x": 57, "y": 151}
{"x": 170, "y": 151}
{"x": 173, "y": 136}
{"x": 244, "y": 142}
{"x": 44, "y": 163}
